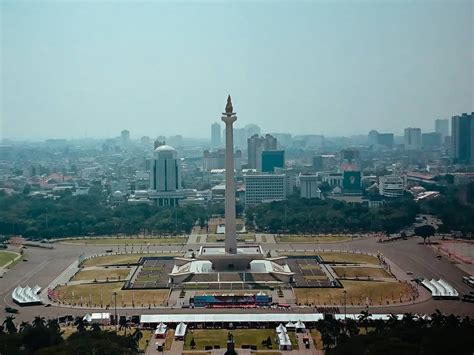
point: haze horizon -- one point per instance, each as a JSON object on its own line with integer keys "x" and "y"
{"x": 89, "y": 70}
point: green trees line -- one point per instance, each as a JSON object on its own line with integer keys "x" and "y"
{"x": 297, "y": 215}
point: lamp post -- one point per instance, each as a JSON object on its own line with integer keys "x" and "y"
{"x": 115, "y": 310}
{"x": 345, "y": 306}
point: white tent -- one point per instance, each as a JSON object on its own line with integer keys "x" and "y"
{"x": 299, "y": 326}
{"x": 290, "y": 325}
{"x": 161, "y": 330}
{"x": 281, "y": 329}
{"x": 180, "y": 331}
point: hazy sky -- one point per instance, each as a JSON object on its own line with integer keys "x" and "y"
{"x": 77, "y": 69}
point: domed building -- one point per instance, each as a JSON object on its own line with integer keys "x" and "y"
{"x": 165, "y": 177}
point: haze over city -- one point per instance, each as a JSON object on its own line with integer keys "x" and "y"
{"x": 74, "y": 70}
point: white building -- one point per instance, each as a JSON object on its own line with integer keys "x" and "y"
{"x": 165, "y": 177}
{"x": 264, "y": 188}
{"x": 309, "y": 186}
{"x": 391, "y": 186}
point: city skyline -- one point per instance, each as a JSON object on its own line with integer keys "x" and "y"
{"x": 89, "y": 70}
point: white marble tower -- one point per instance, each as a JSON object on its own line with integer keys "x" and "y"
{"x": 229, "y": 118}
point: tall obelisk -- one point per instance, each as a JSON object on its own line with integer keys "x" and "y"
{"x": 229, "y": 118}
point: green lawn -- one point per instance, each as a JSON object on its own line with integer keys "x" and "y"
{"x": 6, "y": 257}
{"x": 204, "y": 337}
{"x": 126, "y": 240}
{"x": 122, "y": 259}
{"x": 101, "y": 274}
{"x": 245, "y": 237}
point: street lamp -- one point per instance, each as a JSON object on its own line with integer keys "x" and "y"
{"x": 115, "y": 309}
{"x": 345, "y": 305}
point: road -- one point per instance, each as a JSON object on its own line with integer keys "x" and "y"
{"x": 44, "y": 265}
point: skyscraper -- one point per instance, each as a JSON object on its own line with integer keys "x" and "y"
{"x": 165, "y": 176}
{"x": 462, "y": 138}
{"x": 272, "y": 159}
{"x": 442, "y": 127}
{"x": 412, "y": 138}
{"x": 125, "y": 136}
{"x": 255, "y": 146}
{"x": 216, "y": 138}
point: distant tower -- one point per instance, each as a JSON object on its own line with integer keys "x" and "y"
{"x": 412, "y": 138}
{"x": 229, "y": 118}
{"x": 125, "y": 135}
{"x": 216, "y": 138}
{"x": 442, "y": 127}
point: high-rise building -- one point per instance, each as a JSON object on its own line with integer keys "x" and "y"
{"x": 431, "y": 140}
{"x": 125, "y": 136}
{"x": 216, "y": 137}
{"x": 165, "y": 177}
{"x": 272, "y": 159}
{"x": 385, "y": 140}
{"x": 412, "y": 138}
{"x": 442, "y": 127}
{"x": 462, "y": 138}
{"x": 255, "y": 146}
{"x": 324, "y": 162}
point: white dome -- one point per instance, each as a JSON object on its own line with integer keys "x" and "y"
{"x": 165, "y": 148}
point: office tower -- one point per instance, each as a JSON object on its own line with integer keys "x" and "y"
{"x": 255, "y": 146}
{"x": 391, "y": 186}
{"x": 431, "y": 140}
{"x": 165, "y": 176}
{"x": 373, "y": 137}
{"x": 442, "y": 127}
{"x": 216, "y": 159}
{"x": 272, "y": 159}
{"x": 412, "y": 138}
{"x": 125, "y": 136}
{"x": 462, "y": 138}
{"x": 385, "y": 140}
{"x": 216, "y": 138}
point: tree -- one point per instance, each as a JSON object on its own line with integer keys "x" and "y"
{"x": 38, "y": 322}
{"x": 137, "y": 335}
{"x": 9, "y": 325}
{"x": 95, "y": 327}
{"x": 364, "y": 318}
{"x": 80, "y": 324}
{"x": 425, "y": 231}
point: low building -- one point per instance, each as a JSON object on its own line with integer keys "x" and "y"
{"x": 264, "y": 188}
{"x": 391, "y": 186}
{"x": 309, "y": 186}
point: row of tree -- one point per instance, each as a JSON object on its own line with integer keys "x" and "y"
{"x": 36, "y": 217}
{"x": 45, "y": 337}
{"x": 455, "y": 207}
{"x": 297, "y": 215}
{"x": 438, "y": 334}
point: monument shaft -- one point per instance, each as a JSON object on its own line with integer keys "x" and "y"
{"x": 230, "y": 226}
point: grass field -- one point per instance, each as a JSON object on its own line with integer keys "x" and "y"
{"x": 361, "y": 272}
{"x": 241, "y": 337}
{"x": 121, "y": 259}
{"x": 126, "y": 240}
{"x": 73, "y": 293}
{"x": 312, "y": 238}
{"x": 339, "y": 257}
{"x": 6, "y": 257}
{"x": 357, "y": 293}
{"x": 101, "y": 274}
